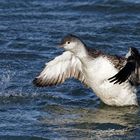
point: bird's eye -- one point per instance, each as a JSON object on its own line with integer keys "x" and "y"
{"x": 68, "y": 42}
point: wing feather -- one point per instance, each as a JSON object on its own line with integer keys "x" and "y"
{"x": 131, "y": 70}
{"x": 60, "y": 69}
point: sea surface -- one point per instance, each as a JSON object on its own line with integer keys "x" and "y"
{"x": 30, "y": 31}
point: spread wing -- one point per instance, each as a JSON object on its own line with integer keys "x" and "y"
{"x": 131, "y": 70}
{"x": 59, "y": 69}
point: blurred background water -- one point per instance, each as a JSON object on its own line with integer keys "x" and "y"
{"x": 30, "y": 31}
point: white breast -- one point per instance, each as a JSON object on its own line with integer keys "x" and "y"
{"x": 97, "y": 72}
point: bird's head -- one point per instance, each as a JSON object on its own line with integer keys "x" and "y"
{"x": 72, "y": 43}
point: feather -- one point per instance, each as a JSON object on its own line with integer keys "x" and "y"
{"x": 59, "y": 69}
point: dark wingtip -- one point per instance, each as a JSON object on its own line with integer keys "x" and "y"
{"x": 36, "y": 82}
{"x": 134, "y": 52}
{"x": 39, "y": 83}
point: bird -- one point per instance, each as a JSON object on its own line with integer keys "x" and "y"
{"x": 113, "y": 78}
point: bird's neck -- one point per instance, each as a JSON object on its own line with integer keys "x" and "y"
{"x": 81, "y": 52}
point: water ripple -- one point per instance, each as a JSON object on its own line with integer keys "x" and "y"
{"x": 29, "y": 35}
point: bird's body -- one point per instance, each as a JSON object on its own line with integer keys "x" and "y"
{"x": 97, "y": 72}
{"x": 92, "y": 68}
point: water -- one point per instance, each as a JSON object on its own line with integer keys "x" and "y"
{"x": 30, "y": 31}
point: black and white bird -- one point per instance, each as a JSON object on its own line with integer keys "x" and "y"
{"x": 113, "y": 79}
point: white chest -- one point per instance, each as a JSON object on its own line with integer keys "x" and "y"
{"x": 99, "y": 70}
{"x": 97, "y": 73}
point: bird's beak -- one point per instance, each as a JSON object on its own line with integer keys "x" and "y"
{"x": 61, "y": 45}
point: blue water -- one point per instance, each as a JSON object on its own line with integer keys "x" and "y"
{"x": 30, "y": 31}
